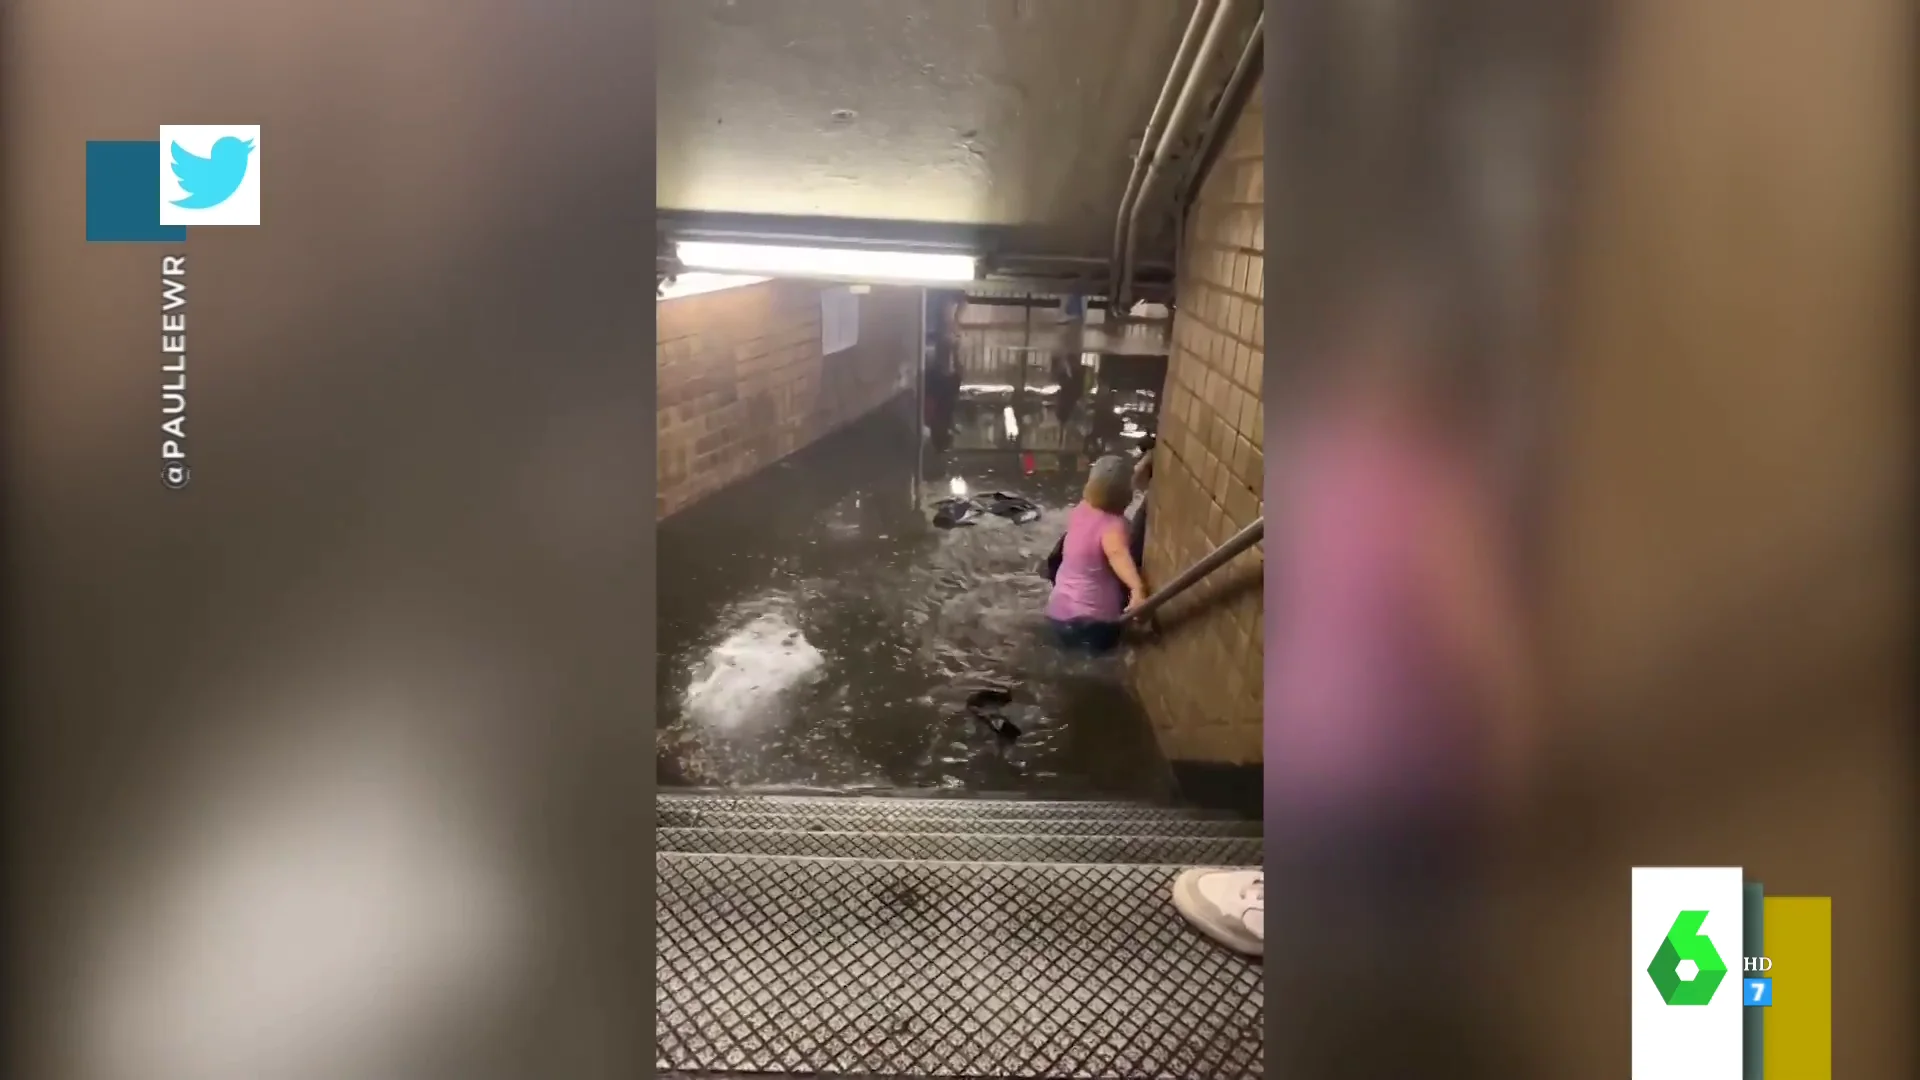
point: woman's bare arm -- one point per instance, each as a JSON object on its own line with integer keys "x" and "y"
{"x": 1113, "y": 543}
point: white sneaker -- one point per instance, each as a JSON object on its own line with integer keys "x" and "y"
{"x": 1229, "y": 906}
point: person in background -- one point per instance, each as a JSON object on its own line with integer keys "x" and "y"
{"x": 943, "y": 370}
{"x": 1065, "y": 370}
{"x": 1137, "y": 524}
{"x": 1068, "y": 372}
{"x": 1098, "y": 579}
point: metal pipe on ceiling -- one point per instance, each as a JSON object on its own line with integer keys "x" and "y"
{"x": 1189, "y": 93}
{"x": 1232, "y": 100}
{"x": 1150, "y": 139}
{"x": 1245, "y": 70}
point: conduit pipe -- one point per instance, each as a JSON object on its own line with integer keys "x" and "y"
{"x": 1231, "y": 100}
{"x": 1183, "y": 106}
{"x": 1150, "y": 139}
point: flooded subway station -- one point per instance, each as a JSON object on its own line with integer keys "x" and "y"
{"x": 818, "y": 630}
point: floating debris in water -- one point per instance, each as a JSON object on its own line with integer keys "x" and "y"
{"x": 954, "y": 512}
{"x": 986, "y": 704}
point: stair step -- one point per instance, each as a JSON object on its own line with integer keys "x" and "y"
{"x": 1090, "y": 847}
{"x": 871, "y": 819}
{"x": 984, "y": 801}
{"x": 869, "y": 967}
{"x": 970, "y": 807}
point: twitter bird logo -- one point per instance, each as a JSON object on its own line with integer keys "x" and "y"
{"x": 211, "y": 180}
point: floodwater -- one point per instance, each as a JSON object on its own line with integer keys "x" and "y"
{"x": 818, "y": 632}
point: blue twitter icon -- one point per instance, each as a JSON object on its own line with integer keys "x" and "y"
{"x": 211, "y": 180}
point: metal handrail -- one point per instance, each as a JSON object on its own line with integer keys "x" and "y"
{"x": 1212, "y": 561}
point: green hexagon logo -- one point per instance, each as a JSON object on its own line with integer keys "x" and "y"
{"x": 1685, "y": 943}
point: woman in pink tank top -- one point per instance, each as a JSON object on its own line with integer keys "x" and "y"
{"x": 1097, "y": 581}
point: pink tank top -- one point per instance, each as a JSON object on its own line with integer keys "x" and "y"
{"x": 1085, "y": 586}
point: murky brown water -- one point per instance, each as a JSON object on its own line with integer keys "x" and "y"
{"x": 817, "y": 631}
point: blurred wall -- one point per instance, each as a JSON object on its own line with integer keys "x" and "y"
{"x": 742, "y": 382}
{"x": 1685, "y": 228}
{"x": 1201, "y": 679}
{"x": 1729, "y": 550}
{"x": 334, "y": 764}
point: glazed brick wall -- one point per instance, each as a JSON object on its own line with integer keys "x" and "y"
{"x": 742, "y": 382}
{"x": 1200, "y": 681}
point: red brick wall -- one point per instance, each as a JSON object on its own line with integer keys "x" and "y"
{"x": 1201, "y": 682}
{"x": 743, "y": 384}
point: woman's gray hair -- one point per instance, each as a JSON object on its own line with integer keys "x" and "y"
{"x": 1110, "y": 484}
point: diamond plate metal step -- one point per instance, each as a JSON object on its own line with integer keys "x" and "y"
{"x": 840, "y": 967}
{"x": 1090, "y": 847}
{"x": 881, "y": 815}
{"x": 969, "y": 807}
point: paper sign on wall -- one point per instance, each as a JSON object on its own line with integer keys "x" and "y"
{"x": 839, "y": 320}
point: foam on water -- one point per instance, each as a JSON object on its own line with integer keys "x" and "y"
{"x": 744, "y": 677}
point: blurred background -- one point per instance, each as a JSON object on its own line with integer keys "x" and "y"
{"x": 338, "y": 763}
{"x": 1678, "y": 238}
{"x": 333, "y": 764}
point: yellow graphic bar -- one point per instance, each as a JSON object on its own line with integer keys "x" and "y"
{"x": 1799, "y": 1025}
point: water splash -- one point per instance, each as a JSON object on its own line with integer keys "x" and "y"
{"x": 834, "y": 643}
{"x": 745, "y": 677}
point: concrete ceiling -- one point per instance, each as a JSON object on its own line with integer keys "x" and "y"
{"x": 1013, "y": 113}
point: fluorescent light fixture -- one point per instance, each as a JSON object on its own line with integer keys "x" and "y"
{"x": 814, "y": 262}
{"x": 1044, "y": 390}
{"x": 697, "y": 283}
